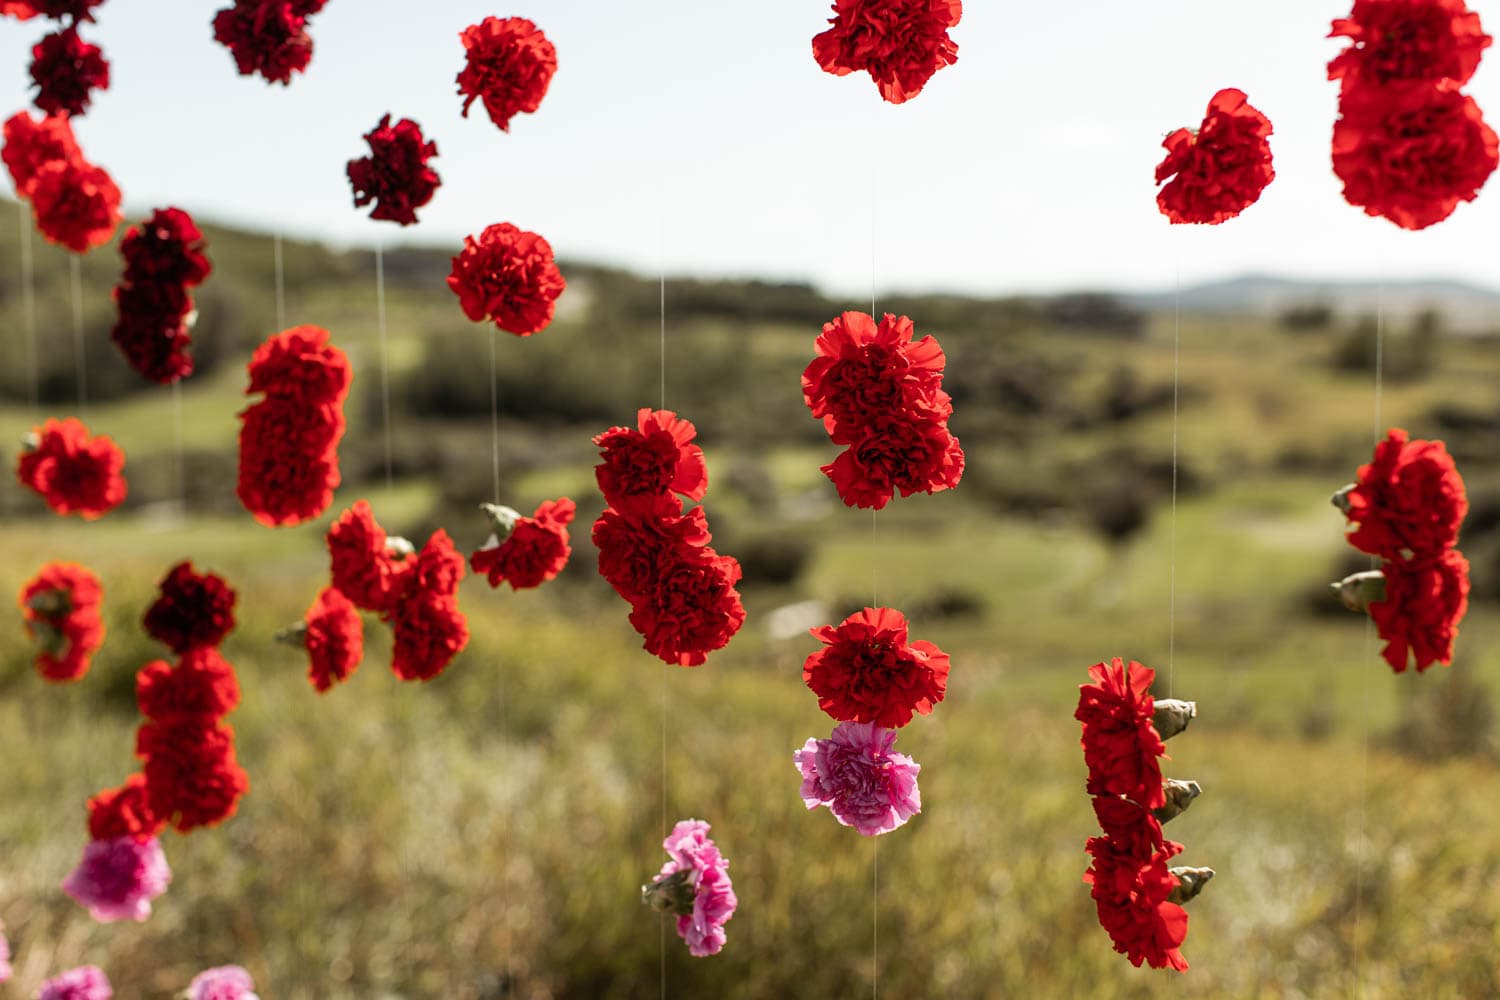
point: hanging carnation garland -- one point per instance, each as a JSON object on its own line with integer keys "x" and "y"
{"x": 268, "y": 37}
{"x": 694, "y": 886}
{"x": 525, "y": 551}
{"x": 164, "y": 261}
{"x": 1137, "y": 896}
{"x": 75, "y": 203}
{"x": 66, "y": 70}
{"x": 1214, "y": 173}
{"x": 900, "y": 43}
{"x": 508, "y": 66}
{"x": 72, "y": 471}
{"x": 507, "y": 275}
{"x": 396, "y": 176}
{"x": 61, "y": 608}
{"x": 1406, "y": 509}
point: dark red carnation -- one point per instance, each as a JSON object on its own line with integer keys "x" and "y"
{"x": 869, "y": 672}
{"x": 166, "y": 249}
{"x": 897, "y": 453}
{"x": 1220, "y": 170}
{"x": 1130, "y": 896}
{"x": 1120, "y": 743}
{"x": 78, "y": 10}
{"x": 1409, "y": 501}
{"x": 1411, "y": 152}
{"x": 335, "y": 639}
{"x": 124, "y": 812}
{"x": 61, "y": 608}
{"x": 74, "y": 473}
{"x": 152, "y": 330}
{"x": 396, "y": 175}
{"x": 301, "y": 366}
{"x": 692, "y": 607}
{"x": 366, "y": 568}
{"x": 507, "y": 275}
{"x": 654, "y": 460}
{"x": 192, "y": 776}
{"x": 268, "y": 37}
{"x": 635, "y": 546}
{"x": 430, "y": 631}
{"x": 66, "y": 70}
{"x": 535, "y": 551}
{"x": 1425, "y": 600}
{"x": 508, "y": 64}
{"x": 32, "y": 144}
{"x": 1131, "y": 828}
{"x": 75, "y": 204}
{"x": 1403, "y": 41}
{"x": 900, "y": 43}
{"x": 863, "y": 371}
{"x": 201, "y": 688}
{"x": 192, "y": 611}
{"x": 289, "y": 465}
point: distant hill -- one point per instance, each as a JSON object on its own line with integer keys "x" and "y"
{"x": 1467, "y": 307}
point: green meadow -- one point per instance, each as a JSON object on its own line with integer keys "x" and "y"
{"x": 485, "y": 835}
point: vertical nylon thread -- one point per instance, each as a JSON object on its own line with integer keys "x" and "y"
{"x": 180, "y": 465}
{"x": 80, "y": 358}
{"x": 280, "y": 266}
{"x": 385, "y": 366}
{"x": 661, "y": 248}
{"x": 1172, "y": 522}
{"x": 495, "y": 409}
{"x": 28, "y": 311}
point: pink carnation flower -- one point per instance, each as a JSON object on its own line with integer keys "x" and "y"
{"x": 5, "y": 969}
{"x": 694, "y": 884}
{"x": 87, "y": 982}
{"x": 855, "y": 774}
{"x": 227, "y": 982}
{"x": 117, "y": 879}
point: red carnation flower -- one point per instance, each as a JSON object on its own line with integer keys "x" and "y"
{"x": 202, "y": 688}
{"x": 1424, "y": 602}
{"x": 439, "y": 566}
{"x": 32, "y": 144}
{"x": 869, "y": 672}
{"x": 76, "y": 204}
{"x": 152, "y": 330}
{"x": 430, "y": 631}
{"x": 192, "y": 776}
{"x": 508, "y": 275}
{"x": 61, "y": 608}
{"x": 1220, "y": 170}
{"x": 1132, "y": 829}
{"x": 1401, "y": 41}
{"x": 73, "y": 472}
{"x": 192, "y": 610}
{"x": 395, "y": 175}
{"x": 335, "y": 639}
{"x": 66, "y": 70}
{"x": 289, "y": 440}
{"x": 654, "y": 460}
{"x": 635, "y": 546}
{"x": 124, "y": 812}
{"x": 1131, "y": 898}
{"x": 895, "y": 453}
{"x": 692, "y": 607}
{"x": 1409, "y": 501}
{"x": 21, "y": 10}
{"x": 366, "y": 568}
{"x": 862, "y": 371}
{"x": 508, "y": 64}
{"x": 1120, "y": 743}
{"x": 1411, "y": 152}
{"x": 535, "y": 550}
{"x": 166, "y": 249}
{"x": 268, "y": 37}
{"x": 301, "y": 366}
{"x": 901, "y": 43}
{"x": 78, "y": 10}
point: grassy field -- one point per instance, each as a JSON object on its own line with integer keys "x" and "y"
{"x": 485, "y": 835}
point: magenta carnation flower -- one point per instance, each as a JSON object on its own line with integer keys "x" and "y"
{"x": 227, "y": 982}
{"x": 694, "y": 884}
{"x": 855, "y": 774}
{"x": 87, "y": 982}
{"x": 117, "y": 879}
{"x": 5, "y": 969}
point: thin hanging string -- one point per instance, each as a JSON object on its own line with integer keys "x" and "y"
{"x": 280, "y": 284}
{"x": 385, "y": 364}
{"x": 661, "y": 250}
{"x": 495, "y": 409}
{"x": 1172, "y": 521}
{"x": 75, "y": 274}
{"x": 28, "y": 310}
{"x": 179, "y": 464}
{"x": 874, "y": 602}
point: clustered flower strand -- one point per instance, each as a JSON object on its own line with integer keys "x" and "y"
{"x": 1136, "y": 894}
{"x": 164, "y": 261}
{"x": 1407, "y": 507}
{"x": 75, "y": 204}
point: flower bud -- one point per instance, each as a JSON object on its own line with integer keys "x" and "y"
{"x": 1171, "y": 717}
{"x": 1180, "y": 795}
{"x": 293, "y": 635}
{"x": 502, "y": 521}
{"x": 672, "y": 894}
{"x": 1190, "y": 882}
{"x": 1341, "y": 498}
{"x": 1360, "y": 590}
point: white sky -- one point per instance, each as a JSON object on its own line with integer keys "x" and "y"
{"x": 702, "y": 132}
